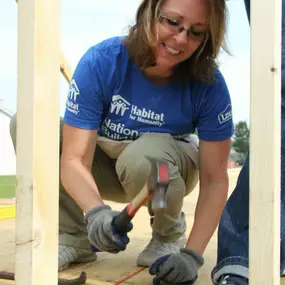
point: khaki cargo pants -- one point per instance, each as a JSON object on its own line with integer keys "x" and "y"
{"x": 120, "y": 179}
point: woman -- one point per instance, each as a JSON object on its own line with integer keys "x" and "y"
{"x": 137, "y": 96}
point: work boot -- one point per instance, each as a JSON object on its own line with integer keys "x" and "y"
{"x": 233, "y": 280}
{"x": 156, "y": 249}
{"x": 68, "y": 255}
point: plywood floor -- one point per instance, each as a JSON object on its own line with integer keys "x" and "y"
{"x": 109, "y": 269}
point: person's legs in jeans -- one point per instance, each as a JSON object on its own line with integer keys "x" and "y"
{"x": 234, "y": 225}
{"x": 233, "y": 231}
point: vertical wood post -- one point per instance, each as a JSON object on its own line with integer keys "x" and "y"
{"x": 37, "y": 142}
{"x": 264, "y": 229}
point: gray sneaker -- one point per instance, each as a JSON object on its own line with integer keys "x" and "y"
{"x": 156, "y": 249}
{"x": 68, "y": 255}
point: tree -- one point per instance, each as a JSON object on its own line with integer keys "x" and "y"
{"x": 241, "y": 138}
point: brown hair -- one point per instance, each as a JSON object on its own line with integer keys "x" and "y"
{"x": 202, "y": 64}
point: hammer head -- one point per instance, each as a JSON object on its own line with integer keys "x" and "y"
{"x": 158, "y": 181}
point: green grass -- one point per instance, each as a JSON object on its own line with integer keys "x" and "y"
{"x": 7, "y": 186}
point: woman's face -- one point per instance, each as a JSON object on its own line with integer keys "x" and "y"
{"x": 173, "y": 46}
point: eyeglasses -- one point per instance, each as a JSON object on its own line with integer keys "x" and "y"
{"x": 175, "y": 27}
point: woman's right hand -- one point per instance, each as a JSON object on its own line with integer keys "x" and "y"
{"x": 101, "y": 231}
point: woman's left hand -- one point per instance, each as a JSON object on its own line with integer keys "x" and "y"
{"x": 177, "y": 268}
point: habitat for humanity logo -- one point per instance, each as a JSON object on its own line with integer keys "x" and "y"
{"x": 225, "y": 115}
{"x": 73, "y": 92}
{"x": 123, "y": 108}
{"x": 119, "y": 106}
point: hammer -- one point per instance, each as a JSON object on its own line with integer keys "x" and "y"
{"x": 154, "y": 189}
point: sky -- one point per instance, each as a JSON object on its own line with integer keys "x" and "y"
{"x": 85, "y": 23}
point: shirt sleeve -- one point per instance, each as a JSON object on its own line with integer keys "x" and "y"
{"x": 215, "y": 119}
{"x": 84, "y": 104}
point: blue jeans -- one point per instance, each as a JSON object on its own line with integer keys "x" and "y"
{"x": 234, "y": 225}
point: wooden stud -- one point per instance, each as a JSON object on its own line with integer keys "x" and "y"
{"x": 37, "y": 142}
{"x": 65, "y": 67}
{"x": 264, "y": 230}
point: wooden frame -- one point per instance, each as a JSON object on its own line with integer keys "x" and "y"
{"x": 38, "y": 137}
{"x": 37, "y": 142}
{"x": 264, "y": 237}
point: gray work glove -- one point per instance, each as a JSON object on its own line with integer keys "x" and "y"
{"x": 101, "y": 231}
{"x": 177, "y": 268}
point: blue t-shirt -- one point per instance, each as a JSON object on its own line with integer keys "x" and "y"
{"x": 108, "y": 92}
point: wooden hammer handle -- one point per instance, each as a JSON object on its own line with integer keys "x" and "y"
{"x": 122, "y": 220}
